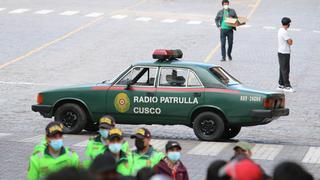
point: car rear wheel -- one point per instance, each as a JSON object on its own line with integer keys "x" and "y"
{"x": 72, "y": 116}
{"x": 208, "y": 126}
{"x": 231, "y": 132}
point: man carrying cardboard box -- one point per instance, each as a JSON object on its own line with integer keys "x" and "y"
{"x": 226, "y": 31}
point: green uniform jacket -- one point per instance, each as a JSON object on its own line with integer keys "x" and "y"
{"x": 42, "y": 163}
{"x": 41, "y": 146}
{"x": 149, "y": 159}
{"x": 96, "y": 147}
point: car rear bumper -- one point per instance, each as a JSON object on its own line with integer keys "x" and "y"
{"x": 44, "y": 110}
{"x": 270, "y": 113}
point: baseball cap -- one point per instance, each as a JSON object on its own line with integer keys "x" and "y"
{"x": 107, "y": 122}
{"x": 54, "y": 128}
{"x": 114, "y": 133}
{"x": 142, "y": 133}
{"x": 243, "y": 145}
{"x": 172, "y": 144}
{"x": 243, "y": 170}
{"x": 103, "y": 163}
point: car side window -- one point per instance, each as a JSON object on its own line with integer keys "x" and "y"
{"x": 193, "y": 81}
{"x": 140, "y": 76}
{"x": 176, "y": 77}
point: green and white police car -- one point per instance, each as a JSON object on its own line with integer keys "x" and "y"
{"x": 166, "y": 91}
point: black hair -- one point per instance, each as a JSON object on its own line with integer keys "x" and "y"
{"x": 70, "y": 173}
{"x": 290, "y": 171}
{"x": 145, "y": 173}
{"x": 213, "y": 170}
{"x": 285, "y": 21}
{"x": 224, "y": 1}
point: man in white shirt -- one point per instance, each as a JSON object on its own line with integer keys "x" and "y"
{"x": 284, "y": 50}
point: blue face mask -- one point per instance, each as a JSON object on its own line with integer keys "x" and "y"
{"x": 104, "y": 133}
{"x": 56, "y": 144}
{"x": 115, "y": 147}
{"x": 174, "y": 155}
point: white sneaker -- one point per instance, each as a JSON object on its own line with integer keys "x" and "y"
{"x": 280, "y": 87}
{"x": 288, "y": 89}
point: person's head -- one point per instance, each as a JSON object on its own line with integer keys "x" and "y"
{"x": 70, "y": 173}
{"x": 242, "y": 148}
{"x": 142, "y": 138}
{"x": 104, "y": 167}
{"x": 54, "y": 135}
{"x": 145, "y": 173}
{"x": 115, "y": 140}
{"x": 244, "y": 169}
{"x": 105, "y": 124}
{"x": 173, "y": 151}
{"x": 213, "y": 170}
{"x": 225, "y": 4}
{"x": 285, "y": 21}
{"x": 290, "y": 171}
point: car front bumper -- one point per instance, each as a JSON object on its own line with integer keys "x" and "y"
{"x": 270, "y": 113}
{"x": 44, "y": 110}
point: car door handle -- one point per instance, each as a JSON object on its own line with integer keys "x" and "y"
{"x": 196, "y": 94}
{"x": 150, "y": 93}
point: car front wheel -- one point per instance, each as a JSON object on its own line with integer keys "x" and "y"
{"x": 72, "y": 116}
{"x": 208, "y": 126}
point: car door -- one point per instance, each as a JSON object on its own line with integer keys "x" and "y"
{"x": 179, "y": 91}
{"x": 130, "y": 99}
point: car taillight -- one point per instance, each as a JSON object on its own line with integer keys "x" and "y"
{"x": 40, "y": 99}
{"x": 268, "y": 103}
{"x": 283, "y": 102}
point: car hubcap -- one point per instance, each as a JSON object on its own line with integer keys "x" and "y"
{"x": 207, "y": 126}
{"x": 69, "y": 119}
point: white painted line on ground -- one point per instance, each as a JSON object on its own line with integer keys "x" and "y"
{"x": 94, "y": 14}
{"x": 169, "y": 20}
{"x": 118, "y": 16}
{"x": 269, "y": 27}
{"x": 1, "y": 9}
{"x": 312, "y": 156}
{"x": 194, "y": 22}
{"x": 158, "y": 144}
{"x": 143, "y": 19}
{"x": 69, "y": 13}
{"x": 82, "y": 144}
{"x": 208, "y": 148}
{"x": 266, "y": 151}
{"x": 34, "y": 139}
{"x": 44, "y": 11}
{"x": 18, "y": 11}
{"x": 4, "y": 134}
{"x": 294, "y": 29}
{"x": 315, "y": 31}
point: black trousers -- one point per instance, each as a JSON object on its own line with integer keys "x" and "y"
{"x": 224, "y": 34}
{"x": 284, "y": 69}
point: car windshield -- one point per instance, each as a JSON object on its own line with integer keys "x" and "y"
{"x": 224, "y": 77}
{"x": 116, "y": 77}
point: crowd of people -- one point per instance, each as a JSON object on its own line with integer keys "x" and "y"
{"x": 109, "y": 157}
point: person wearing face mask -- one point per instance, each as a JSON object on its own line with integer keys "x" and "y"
{"x": 226, "y": 31}
{"x": 171, "y": 165}
{"x": 96, "y": 144}
{"x": 144, "y": 155}
{"x": 114, "y": 146}
{"x": 53, "y": 157}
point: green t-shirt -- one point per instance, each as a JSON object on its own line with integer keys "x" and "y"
{"x": 224, "y": 25}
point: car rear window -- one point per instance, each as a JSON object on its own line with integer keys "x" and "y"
{"x": 223, "y": 76}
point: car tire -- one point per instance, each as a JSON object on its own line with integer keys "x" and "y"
{"x": 208, "y": 126}
{"x": 72, "y": 116}
{"x": 231, "y": 132}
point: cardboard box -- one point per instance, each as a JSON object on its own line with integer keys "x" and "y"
{"x": 234, "y": 22}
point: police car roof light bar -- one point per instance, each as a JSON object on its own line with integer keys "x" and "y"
{"x": 167, "y": 55}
